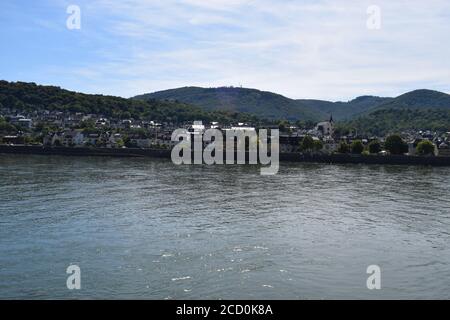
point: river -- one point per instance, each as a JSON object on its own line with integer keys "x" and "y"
{"x": 147, "y": 229}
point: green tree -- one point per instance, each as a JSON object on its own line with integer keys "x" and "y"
{"x": 341, "y": 129}
{"x": 395, "y": 145}
{"x": 126, "y": 115}
{"x": 343, "y": 147}
{"x": 425, "y": 147}
{"x": 317, "y": 145}
{"x": 284, "y": 126}
{"x": 87, "y": 124}
{"x": 305, "y": 124}
{"x": 120, "y": 143}
{"x": 375, "y": 146}
{"x": 7, "y": 128}
{"x": 357, "y": 147}
{"x": 32, "y": 140}
{"x": 307, "y": 143}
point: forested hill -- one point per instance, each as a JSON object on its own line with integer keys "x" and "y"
{"x": 275, "y": 106}
{"x": 29, "y": 96}
{"x": 419, "y": 109}
{"x": 419, "y": 99}
{"x": 347, "y": 110}
{"x": 262, "y": 103}
{"x": 395, "y": 120}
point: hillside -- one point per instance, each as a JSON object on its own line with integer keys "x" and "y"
{"x": 418, "y": 109}
{"x": 29, "y": 97}
{"x": 419, "y": 99}
{"x": 267, "y": 104}
{"x": 262, "y": 103}
{"x": 395, "y": 120}
{"x": 346, "y": 110}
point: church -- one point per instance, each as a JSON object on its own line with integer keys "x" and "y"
{"x": 326, "y": 128}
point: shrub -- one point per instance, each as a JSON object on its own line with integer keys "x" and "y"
{"x": 395, "y": 145}
{"x": 343, "y": 148}
{"x": 425, "y": 147}
{"x": 357, "y": 147}
{"x": 375, "y": 146}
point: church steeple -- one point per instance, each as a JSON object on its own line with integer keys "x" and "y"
{"x": 331, "y": 118}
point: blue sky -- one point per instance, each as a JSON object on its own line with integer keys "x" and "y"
{"x": 301, "y": 49}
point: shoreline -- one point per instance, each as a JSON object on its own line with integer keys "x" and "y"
{"x": 284, "y": 157}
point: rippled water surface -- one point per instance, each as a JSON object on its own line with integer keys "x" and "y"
{"x": 144, "y": 228}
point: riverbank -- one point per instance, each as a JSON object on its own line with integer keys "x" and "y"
{"x": 85, "y": 151}
{"x": 291, "y": 157}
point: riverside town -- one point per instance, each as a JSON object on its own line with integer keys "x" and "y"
{"x": 57, "y": 129}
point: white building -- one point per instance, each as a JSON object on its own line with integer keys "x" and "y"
{"x": 197, "y": 127}
{"x": 25, "y": 123}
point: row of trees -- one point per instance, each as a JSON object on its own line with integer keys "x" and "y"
{"x": 308, "y": 144}
{"x": 394, "y": 144}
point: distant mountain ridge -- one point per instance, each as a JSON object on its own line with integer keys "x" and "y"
{"x": 274, "y": 106}
{"x": 262, "y": 103}
{"x": 419, "y": 99}
{"x": 347, "y": 110}
{"x": 419, "y": 109}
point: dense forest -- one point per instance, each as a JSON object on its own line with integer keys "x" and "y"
{"x": 384, "y": 121}
{"x": 419, "y": 109}
{"x": 265, "y": 104}
{"x": 30, "y": 97}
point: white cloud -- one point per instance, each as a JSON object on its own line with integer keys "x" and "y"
{"x": 302, "y": 49}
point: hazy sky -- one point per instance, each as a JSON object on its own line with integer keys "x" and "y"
{"x": 301, "y": 49}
